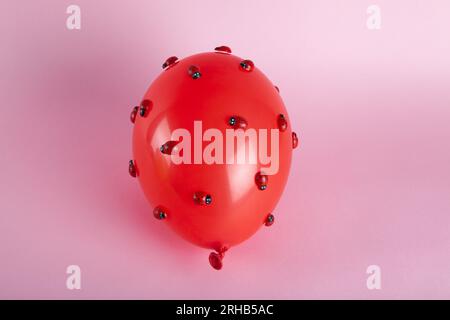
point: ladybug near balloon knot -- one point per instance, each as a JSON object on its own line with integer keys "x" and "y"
{"x": 210, "y": 205}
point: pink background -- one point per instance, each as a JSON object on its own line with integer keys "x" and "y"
{"x": 370, "y": 183}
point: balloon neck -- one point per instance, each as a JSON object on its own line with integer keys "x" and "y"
{"x": 215, "y": 258}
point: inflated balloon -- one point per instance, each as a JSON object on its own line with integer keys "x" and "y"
{"x": 212, "y": 147}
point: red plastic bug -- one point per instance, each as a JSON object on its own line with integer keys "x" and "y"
{"x": 213, "y": 205}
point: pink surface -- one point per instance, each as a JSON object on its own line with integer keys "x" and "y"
{"x": 370, "y": 183}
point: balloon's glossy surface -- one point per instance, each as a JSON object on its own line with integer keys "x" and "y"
{"x": 214, "y": 206}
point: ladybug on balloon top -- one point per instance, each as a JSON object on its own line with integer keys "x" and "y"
{"x": 212, "y": 148}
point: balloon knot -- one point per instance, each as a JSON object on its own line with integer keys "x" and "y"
{"x": 215, "y": 258}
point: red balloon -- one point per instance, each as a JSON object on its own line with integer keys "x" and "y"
{"x": 213, "y": 205}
